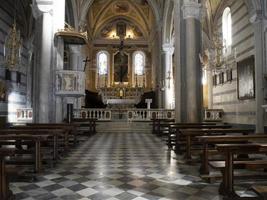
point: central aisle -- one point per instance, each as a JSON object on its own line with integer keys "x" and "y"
{"x": 119, "y": 166}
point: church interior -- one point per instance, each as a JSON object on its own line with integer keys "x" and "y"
{"x": 133, "y": 99}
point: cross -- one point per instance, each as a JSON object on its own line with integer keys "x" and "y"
{"x": 85, "y": 63}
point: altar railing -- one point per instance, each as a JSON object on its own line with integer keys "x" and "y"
{"x": 213, "y": 115}
{"x": 130, "y": 114}
{"x": 148, "y": 114}
{"x": 24, "y": 115}
{"x": 99, "y": 114}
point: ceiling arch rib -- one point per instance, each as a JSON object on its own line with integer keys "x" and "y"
{"x": 103, "y": 12}
{"x": 127, "y": 19}
{"x": 84, "y": 6}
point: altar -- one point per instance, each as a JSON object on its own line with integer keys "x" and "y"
{"x": 121, "y": 96}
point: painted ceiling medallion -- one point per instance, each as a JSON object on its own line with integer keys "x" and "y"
{"x": 121, "y": 7}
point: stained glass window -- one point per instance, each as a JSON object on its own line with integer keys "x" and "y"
{"x": 227, "y": 30}
{"x": 139, "y": 63}
{"x": 102, "y": 63}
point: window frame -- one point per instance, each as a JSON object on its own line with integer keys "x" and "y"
{"x": 227, "y": 37}
{"x": 144, "y": 63}
{"x": 98, "y": 62}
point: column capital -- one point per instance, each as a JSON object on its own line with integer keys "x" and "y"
{"x": 168, "y": 48}
{"x": 256, "y": 17}
{"x": 40, "y": 7}
{"x": 192, "y": 9}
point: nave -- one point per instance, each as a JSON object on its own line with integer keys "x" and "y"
{"x": 119, "y": 166}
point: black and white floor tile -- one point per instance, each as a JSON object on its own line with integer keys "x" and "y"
{"x": 119, "y": 166}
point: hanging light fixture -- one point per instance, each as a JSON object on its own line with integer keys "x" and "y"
{"x": 12, "y": 48}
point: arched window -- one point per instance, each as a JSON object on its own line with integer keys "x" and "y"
{"x": 227, "y": 30}
{"x": 102, "y": 63}
{"x": 139, "y": 61}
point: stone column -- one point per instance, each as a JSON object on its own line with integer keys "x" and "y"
{"x": 44, "y": 9}
{"x": 258, "y": 24}
{"x": 191, "y": 13}
{"x": 50, "y": 15}
{"x": 177, "y": 61}
{"x": 168, "y": 75}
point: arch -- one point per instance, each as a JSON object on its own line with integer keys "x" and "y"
{"x": 87, "y": 4}
{"x": 122, "y": 17}
{"x": 254, "y": 7}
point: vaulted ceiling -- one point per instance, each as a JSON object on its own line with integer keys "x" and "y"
{"x": 103, "y": 16}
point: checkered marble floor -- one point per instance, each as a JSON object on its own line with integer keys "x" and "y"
{"x": 119, "y": 166}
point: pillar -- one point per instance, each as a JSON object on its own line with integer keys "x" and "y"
{"x": 177, "y": 61}
{"x": 44, "y": 11}
{"x": 50, "y": 17}
{"x": 168, "y": 50}
{"x": 191, "y": 14}
{"x": 258, "y": 23}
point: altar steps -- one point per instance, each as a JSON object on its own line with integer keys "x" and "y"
{"x": 123, "y": 127}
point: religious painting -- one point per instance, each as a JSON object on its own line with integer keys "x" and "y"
{"x": 121, "y": 7}
{"x": 121, "y": 29}
{"x": 246, "y": 78}
{"x": 121, "y": 67}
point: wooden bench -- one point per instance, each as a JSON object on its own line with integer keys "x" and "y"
{"x": 5, "y": 192}
{"x": 54, "y": 133}
{"x": 35, "y": 139}
{"x": 89, "y": 123}
{"x": 207, "y": 141}
{"x": 261, "y": 190}
{"x": 227, "y": 166}
{"x": 176, "y": 139}
{"x": 156, "y": 125}
{"x": 191, "y": 134}
{"x": 70, "y": 129}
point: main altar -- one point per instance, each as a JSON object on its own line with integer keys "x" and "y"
{"x": 121, "y": 96}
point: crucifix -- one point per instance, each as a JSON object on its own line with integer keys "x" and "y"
{"x": 85, "y": 63}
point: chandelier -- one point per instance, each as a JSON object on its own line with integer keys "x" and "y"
{"x": 213, "y": 58}
{"x": 12, "y": 51}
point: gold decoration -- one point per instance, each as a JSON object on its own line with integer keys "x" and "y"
{"x": 12, "y": 49}
{"x": 71, "y": 36}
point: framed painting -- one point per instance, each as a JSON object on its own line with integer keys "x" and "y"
{"x": 246, "y": 78}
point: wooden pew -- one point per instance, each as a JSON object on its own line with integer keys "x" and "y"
{"x": 157, "y": 123}
{"x": 176, "y": 139}
{"x": 5, "y": 193}
{"x": 227, "y": 167}
{"x": 35, "y": 139}
{"x": 207, "y": 141}
{"x": 90, "y": 123}
{"x": 191, "y": 134}
{"x": 261, "y": 190}
{"x": 54, "y": 133}
{"x": 70, "y": 129}
{"x": 169, "y": 129}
